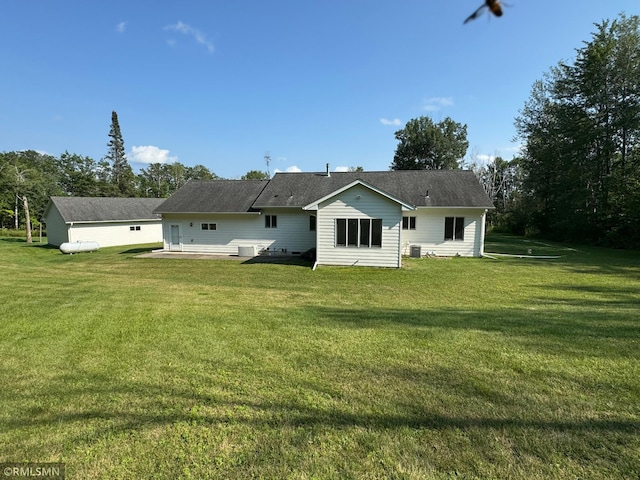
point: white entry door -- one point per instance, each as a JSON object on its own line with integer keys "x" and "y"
{"x": 175, "y": 245}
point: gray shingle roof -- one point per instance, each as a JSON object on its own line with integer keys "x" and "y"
{"x": 105, "y": 209}
{"x": 420, "y": 188}
{"x": 215, "y": 196}
{"x": 445, "y": 188}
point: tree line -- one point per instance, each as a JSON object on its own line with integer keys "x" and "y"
{"x": 38, "y": 176}
{"x": 33, "y": 176}
{"x": 577, "y": 177}
{"x": 580, "y": 131}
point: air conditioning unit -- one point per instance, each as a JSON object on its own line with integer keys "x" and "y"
{"x": 246, "y": 251}
{"x": 416, "y": 251}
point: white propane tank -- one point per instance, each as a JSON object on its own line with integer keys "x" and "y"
{"x": 78, "y": 247}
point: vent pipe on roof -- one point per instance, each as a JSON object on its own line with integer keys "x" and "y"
{"x": 328, "y": 171}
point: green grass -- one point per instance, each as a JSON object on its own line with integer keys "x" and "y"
{"x": 124, "y": 367}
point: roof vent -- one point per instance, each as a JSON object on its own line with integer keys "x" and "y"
{"x": 328, "y": 171}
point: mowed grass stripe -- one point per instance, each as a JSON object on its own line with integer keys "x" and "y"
{"x": 471, "y": 368}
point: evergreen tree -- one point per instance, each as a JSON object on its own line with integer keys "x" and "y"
{"x": 581, "y": 137}
{"x": 121, "y": 173}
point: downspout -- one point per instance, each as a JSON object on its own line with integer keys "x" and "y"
{"x": 484, "y": 226}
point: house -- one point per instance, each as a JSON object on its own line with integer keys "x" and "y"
{"x": 110, "y": 221}
{"x": 350, "y": 218}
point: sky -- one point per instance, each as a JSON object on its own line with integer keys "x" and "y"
{"x": 223, "y": 83}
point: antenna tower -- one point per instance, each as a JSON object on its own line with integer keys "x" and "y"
{"x": 267, "y": 160}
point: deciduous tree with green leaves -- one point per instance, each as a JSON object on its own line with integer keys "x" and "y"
{"x": 255, "y": 175}
{"x": 425, "y": 145}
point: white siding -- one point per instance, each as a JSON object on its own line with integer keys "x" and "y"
{"x": 359, "y": 202}
{"x": 56, "y": 228}
{"x": 111, "y": 234}
{"x": 292, "y": 234}
{"x": 429, "y": 232}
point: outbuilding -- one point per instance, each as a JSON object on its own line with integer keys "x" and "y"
{"x": 110, "y": 221}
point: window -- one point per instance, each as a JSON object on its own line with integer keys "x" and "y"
{"x": 312, "y": 223}
{"x": 376, "y": 232}
{"x": 354, "y": 232}
{"x": 408, "y": 223}
{"x": 270, "y": 221}
{"x": 134, "y": 228}
{"x": 454, "y": 228}
{"x": 208, "y": 226}
{"x": 341, "y": 232}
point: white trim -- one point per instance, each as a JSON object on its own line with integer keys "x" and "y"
{"x": 314, "y": 205}
{"x": 133, "y": 220}
{"x": 207, "y": 213}
{"x": 421, "y": 207}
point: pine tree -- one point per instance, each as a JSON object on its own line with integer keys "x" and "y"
{"x": 122, "y": 175}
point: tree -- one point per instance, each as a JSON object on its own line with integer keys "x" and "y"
{"x": 425, "y": 145}
{"x": 78, "y": 175}
{"x": 255, "y": 175}
{"x": 581, "y": 135}
{"x": 26, "y": 174}
{"x": 501, "y": 180}
{"x": 161, "y": 180}
{"x": 200, "y": 172}
{"x": 121, "y": 173}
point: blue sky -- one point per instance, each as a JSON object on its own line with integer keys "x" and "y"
{"x": 220, "y": 83}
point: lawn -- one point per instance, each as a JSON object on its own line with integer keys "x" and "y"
{"x": 125, "y": 368}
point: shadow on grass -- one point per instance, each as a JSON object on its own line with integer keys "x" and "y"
{"x": 279, "y": 260}
{"x": 575, "y": 258}
{"x": 133, "y": 251}
{"x": 144, "y": 405}
{"x": 46, "y": 246}
{"x": 601, "y": 297}
{"x": 235, "y": 397}
{"x": 13, "y": 240}
{"x": 513, "y": 321}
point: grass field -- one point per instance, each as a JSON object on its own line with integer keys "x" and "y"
{"x": 130, "y": 368}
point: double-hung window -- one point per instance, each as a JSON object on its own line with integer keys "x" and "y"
{"x": 408, "y": 223}
{"x": 358, "y": 232}
{"x": 454, "y": 228}
{"x": 270, "y": 221}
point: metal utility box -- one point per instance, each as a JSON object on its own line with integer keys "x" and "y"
{"x": 416, "y": 251}
{"x": 246, "y": 251}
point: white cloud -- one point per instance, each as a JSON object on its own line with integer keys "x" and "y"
{"x": 341, "y": 169}
{"x": 150, "y": 154}
{"x": 484, "y": 159}
{"x": 291, "y": 169}
{"x": 386, "y": 121}
{"x": 434, "y": 104}
{"x": 514, "y": 149}
{"x": 188, "y": 30}
{"x": 121, "y": 27}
